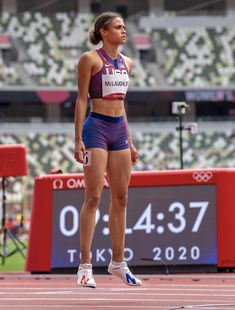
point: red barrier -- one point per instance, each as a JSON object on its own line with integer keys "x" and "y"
{"x": 225, "y": 218}
{"x": 40, "y": 241}
{"x": 13, "y": 160}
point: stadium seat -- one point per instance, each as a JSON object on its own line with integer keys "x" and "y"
{"x": 49, "y": 46}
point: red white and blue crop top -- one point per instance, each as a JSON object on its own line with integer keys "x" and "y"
{"x": 112, "y": 81}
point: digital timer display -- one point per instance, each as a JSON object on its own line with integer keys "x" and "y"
{"x": 174, "y": 225}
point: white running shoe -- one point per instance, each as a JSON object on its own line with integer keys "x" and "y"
{"x": 85, "y": 276}
{"x": 123, "y": 272}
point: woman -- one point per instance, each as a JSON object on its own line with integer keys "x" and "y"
{"x": 103, "y": 143}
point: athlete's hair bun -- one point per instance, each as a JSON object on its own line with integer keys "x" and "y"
{"x": 95, "y": 37}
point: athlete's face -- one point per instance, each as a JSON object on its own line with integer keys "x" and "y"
{"x": 116, "y": 31}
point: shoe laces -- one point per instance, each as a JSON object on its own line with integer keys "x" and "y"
{"x": 86, "y": 271}
{"x": 126, "y": 268}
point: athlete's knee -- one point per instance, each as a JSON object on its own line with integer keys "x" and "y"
{"x": 92, "y": 201}
{"x": 121, "y": 199}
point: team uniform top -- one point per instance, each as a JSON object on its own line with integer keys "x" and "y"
{"x": 112, "y": 81}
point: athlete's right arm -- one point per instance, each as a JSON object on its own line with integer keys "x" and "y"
{"x": 84, "y": 70}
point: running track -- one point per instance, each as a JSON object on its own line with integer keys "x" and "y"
{"x": 23, "y": 291}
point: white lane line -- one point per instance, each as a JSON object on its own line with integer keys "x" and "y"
{"x": 197, "y": 276}
{"x": 188, "y": 285}
{"x": 104, "y": 299}
{"x": 186, "y": 294}
{"x": 48, "y": 306}
{"x": 111, "y": 286}
{"x": 126, "y": 288}
{"x": 39, "y": 293}
{"x": 204, "y": 308}
{"x": 172, "y": 289}
{"x": 211, "y": 306}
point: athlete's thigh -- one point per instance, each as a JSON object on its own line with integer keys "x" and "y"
{"x": 119, "y": 170}
{"x": 94, "y": 173}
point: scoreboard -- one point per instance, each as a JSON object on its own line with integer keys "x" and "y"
{"x": 164, "y": 224}
{"x": 173, "y": 218}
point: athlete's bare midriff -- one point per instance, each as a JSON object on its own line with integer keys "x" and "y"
{"x": 108, "y": 107}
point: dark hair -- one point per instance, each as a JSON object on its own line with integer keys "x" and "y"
{"x": 101, "y": 21}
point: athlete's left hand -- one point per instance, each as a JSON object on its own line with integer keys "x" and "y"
{"x": 134, "y": 154}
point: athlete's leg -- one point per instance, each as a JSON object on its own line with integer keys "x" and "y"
{"x": 94, "y": 182}
{"x": 119, "y": 172}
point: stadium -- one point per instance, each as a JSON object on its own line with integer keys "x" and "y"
{"x": 180, "y": 107}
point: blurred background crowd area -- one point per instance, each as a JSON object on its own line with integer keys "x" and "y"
{"x": 41, "y": 41}
{"x": 182, "y": 51}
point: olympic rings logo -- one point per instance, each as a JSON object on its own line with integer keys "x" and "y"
{"x": 202, "y": 176}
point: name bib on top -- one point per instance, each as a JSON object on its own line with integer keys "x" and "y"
{"x": 115, "y": 85}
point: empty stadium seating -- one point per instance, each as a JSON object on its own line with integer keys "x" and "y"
{"x": 198, "y": 57}
{"x": 49, "y": 47}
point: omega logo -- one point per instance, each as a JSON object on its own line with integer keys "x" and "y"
{"x": 72, "y": 183}
{"x": 57, "y": 184}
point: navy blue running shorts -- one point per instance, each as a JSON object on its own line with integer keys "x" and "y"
{"x": 106, "y": 132}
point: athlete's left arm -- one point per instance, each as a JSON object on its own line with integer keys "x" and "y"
{"x": 134, "y": 153}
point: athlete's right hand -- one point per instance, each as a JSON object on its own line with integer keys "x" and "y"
{"x": 79, "y": 153}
